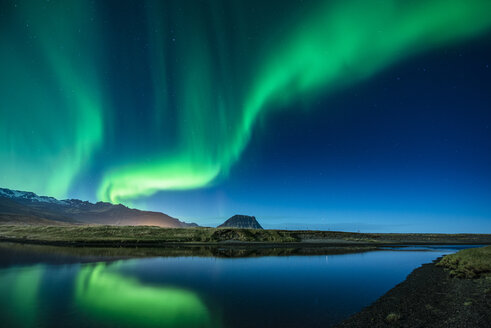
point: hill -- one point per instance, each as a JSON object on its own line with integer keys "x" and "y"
{"x": 241, "y": 221}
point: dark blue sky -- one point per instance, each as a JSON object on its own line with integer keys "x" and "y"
{"x": 407, "y": 150}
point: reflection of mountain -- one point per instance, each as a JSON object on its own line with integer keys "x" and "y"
{"x": 106, "y": 296}
{"x": 28, "y": 208}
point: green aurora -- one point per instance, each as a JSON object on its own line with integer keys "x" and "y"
{"x": 208, "y": 82}
{"x": 51, "y": 113}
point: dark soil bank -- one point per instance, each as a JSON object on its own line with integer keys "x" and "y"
{"x": 430, "y": 297}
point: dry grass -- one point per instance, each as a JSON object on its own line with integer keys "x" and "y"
{"x": 393, "y": 317}
{"x": 140, "y": 234}
{"x": 468, "y": 263}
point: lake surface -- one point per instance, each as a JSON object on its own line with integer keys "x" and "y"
{"x": 47, "y": 289}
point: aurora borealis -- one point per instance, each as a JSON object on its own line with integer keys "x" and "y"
{"x": 147, "y": 102}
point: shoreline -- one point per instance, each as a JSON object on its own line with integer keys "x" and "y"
{"x": 143, "y": 244}
{"x": 429, "y": 297}
{"x": 158, "y": 244}
{"x": 10, "y": 251}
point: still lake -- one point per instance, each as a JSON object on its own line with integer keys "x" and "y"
{"x": 40, "y": 288}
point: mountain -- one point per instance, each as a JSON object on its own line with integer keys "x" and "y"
{"x": 23, "y": 207}
{"x": 241, "y": 221}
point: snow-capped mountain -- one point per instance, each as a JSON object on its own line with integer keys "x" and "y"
{"x": 24, "y": 207}
{"x": 28, "y": 196}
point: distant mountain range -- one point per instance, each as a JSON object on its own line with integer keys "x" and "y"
{"x": 23, "y": 207}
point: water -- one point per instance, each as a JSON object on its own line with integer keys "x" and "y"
{"x": 54, "y": 289}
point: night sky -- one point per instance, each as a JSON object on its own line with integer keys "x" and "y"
{"x": 343, "y": 115}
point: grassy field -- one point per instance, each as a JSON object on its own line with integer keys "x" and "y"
{"x": 146, "y": 235}
{"x": 140, "y": 234}
{"x": 468, "y": 263}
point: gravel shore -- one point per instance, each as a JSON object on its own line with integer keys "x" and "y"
{"x": 430, "y": 297}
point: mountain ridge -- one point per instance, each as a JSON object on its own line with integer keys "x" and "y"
{"x": 25, "y": 207}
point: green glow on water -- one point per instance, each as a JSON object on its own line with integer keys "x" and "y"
{"x": 109, "y": 297}
{"x": 20, "y": 299}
